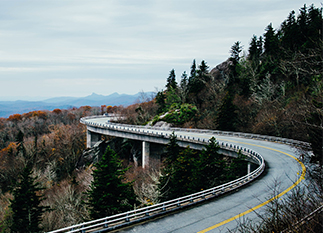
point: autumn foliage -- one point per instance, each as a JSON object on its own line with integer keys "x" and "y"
{"x": 52, "y": 141}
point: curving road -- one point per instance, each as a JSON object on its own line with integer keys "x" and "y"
{"x": 284, "y": 171}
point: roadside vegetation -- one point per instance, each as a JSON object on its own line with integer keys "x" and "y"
{"x": 187, "y": 171}
{"x": 274, "y": 88}
{"x": 300, "y": 210}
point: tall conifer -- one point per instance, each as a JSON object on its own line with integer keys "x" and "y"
{"x": 171, "y": 80}
{"x": 26, "y": 208}
{"x": 108, "y": 194}
{"x": 210, "y": 166}
{"x": 227, "y": 116}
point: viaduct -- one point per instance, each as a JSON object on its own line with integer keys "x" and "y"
{"x": 221, "y": 214}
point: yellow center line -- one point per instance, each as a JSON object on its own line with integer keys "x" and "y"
{"x": 268, "y": 201}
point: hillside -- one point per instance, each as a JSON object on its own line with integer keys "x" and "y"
{"x": 274, "y": 89}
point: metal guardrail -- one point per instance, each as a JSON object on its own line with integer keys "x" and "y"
{"x": 287, "y": 141}
{"x": 112, "y": 222}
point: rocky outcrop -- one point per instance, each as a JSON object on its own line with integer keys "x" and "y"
{"x": 92, "y": 155}
{"x": 221, "y": 71}
{"x": 162, "y": 124}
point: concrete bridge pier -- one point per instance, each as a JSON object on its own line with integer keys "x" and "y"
{"x": 92, "y": 138}
{"x": 145, "y": 154}
{"x": 248, "y": 170}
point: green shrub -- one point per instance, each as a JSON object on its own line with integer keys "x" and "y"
{"x": 185, "y": 113}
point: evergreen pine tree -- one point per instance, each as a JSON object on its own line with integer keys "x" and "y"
{"x": 302, "y": 21}
{"x": 172, "y": 149}
{"x": 21, "y": 150}
{"x": 304, "y": 32}
{"x": 191, "y": 171}
{"x": 171, "y": 80}
{"x": 197, "y": 83}
{"x": 314, "y": 37}
{"x": 203, "y": 68}
{"x": 202, "y": 72}
{"x": 184, "y": 179}
{"x": 184, "y": 80}
{"x": 192, "y": 73}
{"x": 184, "y": 87}
{"x": 227, "y": 117}
{"x": 160, "y": 100}
{"x": 289, "y": 31}
{"x": 179, "y": 177}
{"x": 271, "y": 44}
{"x": 190, "y": 84}
{"x": 253, "y": 49}
{"x": 211, "y": 166}
{"x": 108, "y": 194}
{"x": 200, "y": 84}
{"x": 235, "y": 51}
{"x": 272, "y": 53}
{"x": 26, "y": 209}
{"x": 172, "y": 153}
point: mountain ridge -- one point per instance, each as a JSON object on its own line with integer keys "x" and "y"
{"x": 8, "y": 108}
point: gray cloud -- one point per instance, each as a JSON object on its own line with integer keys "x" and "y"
{"x": 54, "y": 48}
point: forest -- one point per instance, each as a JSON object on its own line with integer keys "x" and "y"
{"x": 273, "y": 88}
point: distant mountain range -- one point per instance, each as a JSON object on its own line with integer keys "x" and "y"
{"x": 8, "y": 108}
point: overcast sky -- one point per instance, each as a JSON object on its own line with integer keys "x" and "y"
{"x": 74, "y": 48}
